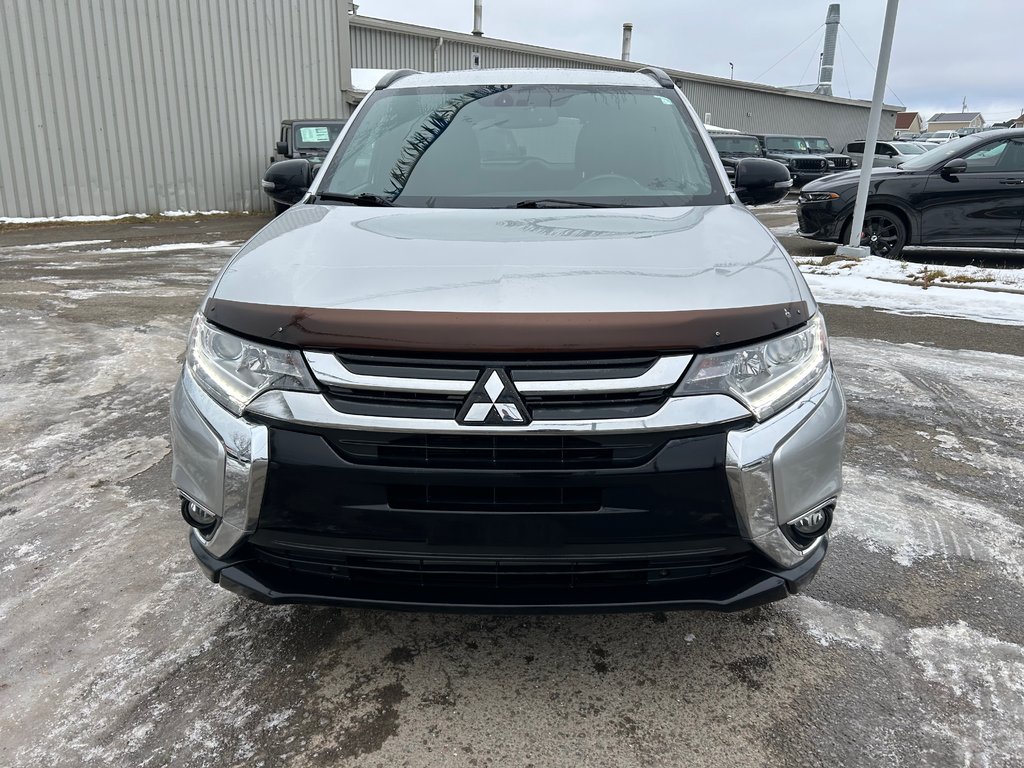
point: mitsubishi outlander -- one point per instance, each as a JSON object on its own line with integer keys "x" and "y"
{"x": 519, "y": 347}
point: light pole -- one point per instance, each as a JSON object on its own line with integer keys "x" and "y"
{"x": 854, "y": 249}
{"x": 732, "y": 71}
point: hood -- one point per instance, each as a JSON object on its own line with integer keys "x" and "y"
{"x": 716, "y": 259}
{"x": 847, "y": 179}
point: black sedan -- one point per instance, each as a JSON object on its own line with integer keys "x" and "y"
{"x": 967, "y": 192}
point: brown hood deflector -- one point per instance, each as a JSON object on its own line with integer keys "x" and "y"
{"x": 503, "y": 332}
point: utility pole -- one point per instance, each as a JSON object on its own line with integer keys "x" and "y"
{"x": 854, "y": 249}
{"x": 732, "y": 71}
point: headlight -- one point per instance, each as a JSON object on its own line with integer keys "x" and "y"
{"x": 234, "y": 371}
{"x": 765, "y": 377}
{"x": 817, "y": 197}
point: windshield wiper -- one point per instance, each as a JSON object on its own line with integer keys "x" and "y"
{"x": 363, "y": 198}
{"x": 554, "y": 202}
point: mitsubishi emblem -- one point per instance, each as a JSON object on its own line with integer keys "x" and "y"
{"x": 493, "y": 400}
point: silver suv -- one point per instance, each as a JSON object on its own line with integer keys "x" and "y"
{"x": 519, "y": 348}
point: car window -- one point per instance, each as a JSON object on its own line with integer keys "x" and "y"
{"x": 785, "y": 144}
{"x": 316, "y": 135}
{"x": 495, "y": 145}
{"x": 940, "y": 153}
{"x": 1001, "y": 157}
{"x": 856, "y": 147}
{"x": 741, "y": 144}
{"x": 884, "y": 150}
{"x": 906, "y": 148}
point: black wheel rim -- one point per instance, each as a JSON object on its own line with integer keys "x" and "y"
{"x": 881, "y": 234}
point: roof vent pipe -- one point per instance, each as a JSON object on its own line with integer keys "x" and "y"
{"x": 828, "y": 54}
{"x": 627, "y": 40}
{"x": 478, "y": 17}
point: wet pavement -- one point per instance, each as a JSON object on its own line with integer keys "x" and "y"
{"x": 907, "y": 650}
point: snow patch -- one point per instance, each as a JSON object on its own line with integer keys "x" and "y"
{"x": 162, "y": 247}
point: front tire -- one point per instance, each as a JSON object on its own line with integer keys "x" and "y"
{"x": 884, "y": 233}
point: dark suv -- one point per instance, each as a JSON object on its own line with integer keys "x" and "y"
{"x": 309, "y": 140}
{"x": 793, "y": 152}
{"x": 733, "y": 147}
{"x": 837, "y": 161}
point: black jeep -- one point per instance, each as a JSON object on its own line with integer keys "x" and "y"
{"x": 308, "y": 140}
{"x": 793, "y": 152}
{"x": 733, "y": 147}
{"x": 837, "y": 161}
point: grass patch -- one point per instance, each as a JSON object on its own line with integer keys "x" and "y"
{"x": 967, "y": 279}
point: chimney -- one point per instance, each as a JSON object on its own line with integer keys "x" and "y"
{"x": 627, "y": 40}
{"x": 478, "y": 17}
{"x": 828, "y": 55}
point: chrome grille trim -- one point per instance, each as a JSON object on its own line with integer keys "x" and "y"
{"x": 691, "y": 412}
{"x": 664, "y": 373}
{"x": 331, "y": 372}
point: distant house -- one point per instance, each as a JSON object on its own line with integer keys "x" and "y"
{"x": 954, "y": 121}
{"x": 1018, "y": 123}
{"x": 908, "y": 122}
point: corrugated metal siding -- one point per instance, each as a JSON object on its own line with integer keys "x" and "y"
{"x": 730, "y": 106}
{"x": 763, "y": 112}
{"x": 113, "y": 106}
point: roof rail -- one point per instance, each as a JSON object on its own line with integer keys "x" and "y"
{"x": 394, "y": 75}
{"x": 659, "y": 75}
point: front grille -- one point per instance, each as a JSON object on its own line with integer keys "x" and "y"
{"x": 512, "y": 452}
{"x": 484, "y": 499}
{"x": 841, "y": 162}
{"x": 809, "y": 163}
{"x": 507, "y": 574}
{"x": 609, "y": 388}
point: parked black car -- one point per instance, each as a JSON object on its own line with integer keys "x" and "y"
{"x": 793, "y": 152}
{"x": 301, "y": 143}
{"x": 967, "y": 192}
{"x": 311, "y": 138}
{"x": 837, "y": 161}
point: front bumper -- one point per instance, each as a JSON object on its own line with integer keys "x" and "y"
{"x": 821, "y": 220}
{"x": 700, "y": 525}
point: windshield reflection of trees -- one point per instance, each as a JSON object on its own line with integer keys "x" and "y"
{"x": 430, "y": 129}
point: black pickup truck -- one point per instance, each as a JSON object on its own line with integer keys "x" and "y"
{"x": 793, "y": 152}
{"x": 309, "y": 139}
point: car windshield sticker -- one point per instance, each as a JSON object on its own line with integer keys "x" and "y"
{"x": 314, "y": 134}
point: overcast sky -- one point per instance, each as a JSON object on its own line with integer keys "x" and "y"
{"x": 944, "y": 50}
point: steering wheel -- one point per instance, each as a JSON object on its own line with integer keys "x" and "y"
{"x": 609, "y": 184}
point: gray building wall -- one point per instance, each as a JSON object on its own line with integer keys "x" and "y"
{"x": 124, "y": 106}
{"x": 114, "y": 106}
{"x": 380, "y": 44}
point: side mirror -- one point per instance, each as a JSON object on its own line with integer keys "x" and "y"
{"x": 954, "y": 166}
{"x": 288, "y": 180}
{"x": 282, "y": 148}
{"x": 761, "y": 182}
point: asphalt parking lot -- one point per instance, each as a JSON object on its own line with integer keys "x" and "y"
{"x": 908, "y": 649}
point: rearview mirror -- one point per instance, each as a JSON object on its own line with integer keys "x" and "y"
{"x": 761, "y": 182}
{"x": 282, "y": 148}
{"x": 954, "y": 166}
{"x": 288, "y": 180}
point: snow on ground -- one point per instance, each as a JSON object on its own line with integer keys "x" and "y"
{"x": 86, "y": 219}
{"x": 988, "y": 295}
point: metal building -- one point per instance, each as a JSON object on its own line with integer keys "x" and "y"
{"x": 115, "y": 106}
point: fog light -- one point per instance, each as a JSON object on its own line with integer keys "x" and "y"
{"x": 812, "y": 525}
{"x": 200, "y": 518}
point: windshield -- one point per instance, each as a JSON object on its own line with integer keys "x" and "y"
{"x": 494, "y": 146}
{"x": 737, "y": 145}
{"x": 316, "y": 135}
{"x": 906, "y": 148}
{"x": 819, "y": 145}
{"x": 940, "y": 154}
{"x": 785, "y": 143}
